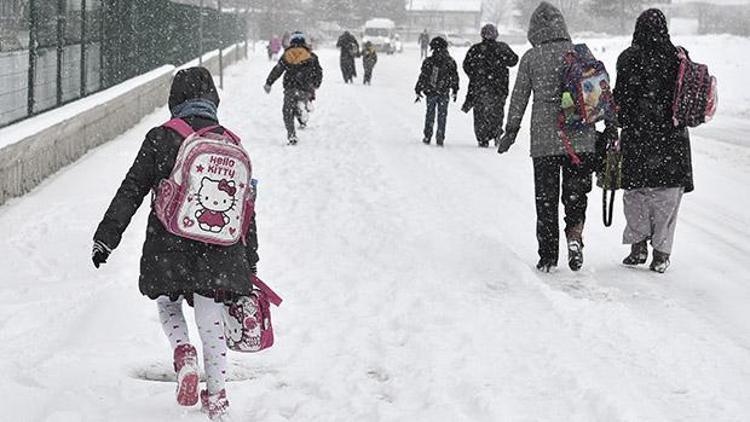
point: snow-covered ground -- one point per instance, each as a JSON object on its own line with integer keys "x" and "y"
{"x": 407, "y": 273}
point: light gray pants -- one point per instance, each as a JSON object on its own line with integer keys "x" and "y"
{"x": 651, "y": 213}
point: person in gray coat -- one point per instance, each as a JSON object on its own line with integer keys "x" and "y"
{"x": 540, "y": 72}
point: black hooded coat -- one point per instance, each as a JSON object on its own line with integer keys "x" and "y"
{"x": 172, "y": 265}
{"x": 655, "y": 152}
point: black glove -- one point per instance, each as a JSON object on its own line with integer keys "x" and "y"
{"x": 419, "y": 97}
{"x": 455, "y": 96}
{"x": 254, "y": 269}
{"x": 503, "y": 145}
{"x": 99, "y": 253}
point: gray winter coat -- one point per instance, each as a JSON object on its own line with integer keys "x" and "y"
{"x": 540, "y": 71}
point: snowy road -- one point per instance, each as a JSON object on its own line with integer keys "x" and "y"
{"x": 408, "y": 279}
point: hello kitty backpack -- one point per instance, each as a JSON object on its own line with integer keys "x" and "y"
{"x": 247, "y": 321}
{"x": 209, "y": 195}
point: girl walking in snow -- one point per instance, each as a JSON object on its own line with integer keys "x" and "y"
{"x": 540, "y": 71}
{"x": 656, "y": 163}
{"x": 173, "y": 268}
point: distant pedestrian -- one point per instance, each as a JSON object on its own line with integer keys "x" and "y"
{"x": 437, "y": 80}
{"x": 302, "y": 77}
{"x": 424, "y": 43}
{"x": 369, "y": 59}
{"x": 656, "y": 164}
{"x": 349, "y": 49}
{"x": 487, "y": 64}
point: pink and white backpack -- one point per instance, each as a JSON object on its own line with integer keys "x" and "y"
{"x": 247, "y": 321}
{"x": 209, "y": 195}
{"x": 695, "y": 97}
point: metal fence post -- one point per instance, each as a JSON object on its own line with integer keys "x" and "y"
{"x": 83, "y": 48}
{"x": 102, "y": 16}
{"x": 221, "y": 34}
{"x": 200, "y": 35}
{"x": 60, "y": 47}
{"x": 32, "y": 56}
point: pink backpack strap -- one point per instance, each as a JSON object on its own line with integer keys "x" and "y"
{"x": 272, "y": 296}
{"x": 179, "y": 126}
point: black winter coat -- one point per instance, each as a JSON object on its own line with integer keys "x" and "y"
{"x": 348, "y": 45}
{"x": 439, "y": 75}
{"x": 486, "y": 64}
{"x": 655, "y": 152}
{"x": 301, "y": 70}
{"x": 172, "y": 265}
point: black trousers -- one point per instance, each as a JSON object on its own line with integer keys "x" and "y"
{"x": 576, "y": 184}
{"x": 489, "y": 112}
{"x": 290, "y": 110}
{"x": 348, "y": 68}
{"x": 368, "y": 73}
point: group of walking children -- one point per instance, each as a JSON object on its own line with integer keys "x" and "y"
{"x": 349, "y": 50}
{"x": 486, "y": 65}
{"x": 653, "y": 103}
{"x": 656, "y": 167}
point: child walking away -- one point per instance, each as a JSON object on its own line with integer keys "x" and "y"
{"x": 438, "y": 78}
{"x": 487, "y": 64}
{"x": 540, "y": 72}
{"x": 302, "y": 76}
{"x": 369, "y": 58}
{"x": 201, "y": 242}
{"x": 656, "y": 163}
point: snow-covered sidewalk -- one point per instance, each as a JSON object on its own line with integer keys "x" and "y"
{"x": 408, "y": 279}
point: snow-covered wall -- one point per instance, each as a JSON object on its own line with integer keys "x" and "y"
{"x": 34, "y": 149}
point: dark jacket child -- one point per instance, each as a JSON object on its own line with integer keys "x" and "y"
{"x": 349, "y": 50}
{"x": 656, "y": 162}
{"x": 369, "y": 58}
{"x": 437, "y": 79}
{"x": 302, "y": 77}
{"x": 486, "y": 64}
{"x": 173, "y": 267}
{"x": 539, "y": 72}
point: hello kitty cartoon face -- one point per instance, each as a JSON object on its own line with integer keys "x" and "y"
{"x": 217, "y": 195}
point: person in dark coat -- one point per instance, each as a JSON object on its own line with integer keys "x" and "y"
{"x": 437, "y": 80}
{"x": 486, "y": 64}
{"x": 302, "y": 77}
{"x": 349, "y": 50}
{"x": 656, "y": 166}
{"x": 172, "y": 267}
{"x": 369, "y": 58}
{"x": 424, "y": 44}
{"x": 539, "y": 72}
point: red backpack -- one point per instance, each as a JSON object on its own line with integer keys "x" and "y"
{"x": 695, "y": 96}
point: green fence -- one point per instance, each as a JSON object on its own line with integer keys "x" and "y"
{"x": 55, "y": 51}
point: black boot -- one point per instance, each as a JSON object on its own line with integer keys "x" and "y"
{"x": 660, "y": 263}
{"x": 638, "y": 254}
{"x": 426, "y": 140}
{"x": 575, "y": 254}
{"x": 546, "y": 265}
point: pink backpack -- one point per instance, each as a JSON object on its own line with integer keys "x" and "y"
{"x": 695, "y": 97}
{"x": 209, "y": 195}
{"x": 247, "y": 322}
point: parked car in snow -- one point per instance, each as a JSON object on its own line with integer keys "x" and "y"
{"x": 457, "y": 40}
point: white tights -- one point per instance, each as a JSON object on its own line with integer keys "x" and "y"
{"x": 208, "y": 317}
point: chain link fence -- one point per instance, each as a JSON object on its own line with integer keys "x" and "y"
{"x": 56, "y": 51}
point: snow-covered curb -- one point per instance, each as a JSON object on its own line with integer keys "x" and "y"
{"x": 35, "y": 148}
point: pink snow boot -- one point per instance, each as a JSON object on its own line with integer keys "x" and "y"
{"x": 188, "y": 378}
{"x": 215, "y": 405}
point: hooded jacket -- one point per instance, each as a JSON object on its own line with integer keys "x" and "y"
{"x": 439, "y": 74}
{"x": 655, "y": 153}
{"x": 540, "y": 72}
{"x": 171, "y": 265}
{"x": 486, "y": 64}
{"x": 301, "y": 70}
